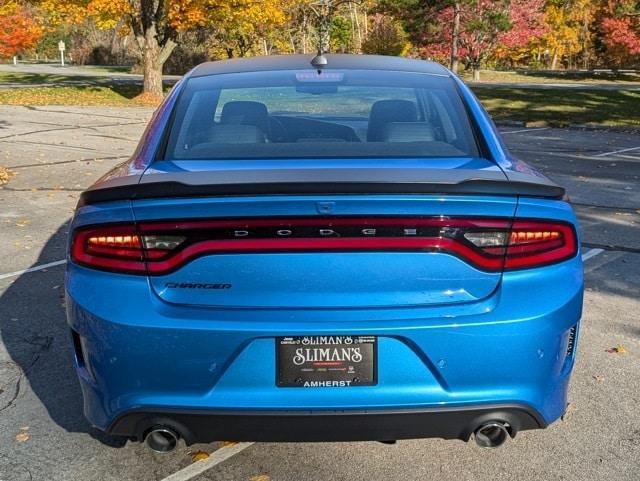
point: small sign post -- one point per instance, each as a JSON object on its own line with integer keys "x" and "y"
{"x": 61, "y": 47}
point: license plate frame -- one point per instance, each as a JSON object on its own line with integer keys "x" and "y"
{"x": 326, "y": 361}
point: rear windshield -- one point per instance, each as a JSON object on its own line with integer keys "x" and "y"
{"x": 333, "y": 114}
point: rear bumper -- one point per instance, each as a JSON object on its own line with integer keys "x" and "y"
{"x": 292, "y": 426}
{"x": 212, "y": 372}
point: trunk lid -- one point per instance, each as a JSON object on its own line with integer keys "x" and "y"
{"x": 344, "y": 276}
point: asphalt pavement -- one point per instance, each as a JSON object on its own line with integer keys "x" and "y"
{"x": 56, "y": 152}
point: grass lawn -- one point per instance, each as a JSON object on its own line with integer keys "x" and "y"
{"x": 558, "y": 107}
{"x": 88, "y": 94}
{"x": 544, "y": 77}
{"x": 122, "y": 95}
{"x": 26, "y": 79}
{"x": 552, "y": 106}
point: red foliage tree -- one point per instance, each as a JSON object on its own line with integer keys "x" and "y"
{"x": 19, "y": 31}
{"x": 621, "y": 36}
{"x": 527, "y": 23}
{"x": 482, "y": 23}
{"x": 619, "y": 29}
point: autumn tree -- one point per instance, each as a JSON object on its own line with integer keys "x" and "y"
{"x": 483, "y": 23}
{"x": 568, "y": 31}
{"x": 300, "y": 16}
{"x": 241, "y": 27}
{"x": 155, "y": 25}
{"x": 527, "y": 27}
{"x": 453, "y": 30}
{"x": 385, "y": 37}
{"x": 468, "y": 30}
{"x": 620, "y": 30}
{"x": 19, "y": 29}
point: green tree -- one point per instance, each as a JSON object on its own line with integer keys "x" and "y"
{"x": 386, "y": 37}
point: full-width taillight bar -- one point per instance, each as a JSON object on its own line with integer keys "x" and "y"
{"x": 488, "y": 244}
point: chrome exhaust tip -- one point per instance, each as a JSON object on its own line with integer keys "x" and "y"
{"x": 162, "y": 439}
{"x": 491, "y": 435}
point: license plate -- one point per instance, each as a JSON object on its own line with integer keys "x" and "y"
{"x": 326, "y": 361}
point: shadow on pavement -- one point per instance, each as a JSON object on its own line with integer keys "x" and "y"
{"x": 35, "y": 334}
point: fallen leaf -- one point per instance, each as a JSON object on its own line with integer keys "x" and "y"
{"x": 260, "y": 477}
{"x": 616, "y": 350}
{"x": 5, "y": 175}
{"x": 22, "y": 437}
{"x": 23, "y": 222}
{"x": 226, "y": 444}
{"x": 598, "y": 378}
{"x": 199, "y": 456}
{"x": 568, "y": 412}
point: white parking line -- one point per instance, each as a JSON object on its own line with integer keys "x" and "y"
{"x": 199, "y": 467}
{"x": 606, "y": 154}
{"x": 591, "y": 253}
{"x": 526, "y": 130}
{"x": 32, "y": 269}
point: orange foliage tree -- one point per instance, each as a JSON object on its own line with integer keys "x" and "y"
{"x": 19, "y": 29}
{"x": 155, "y": 25}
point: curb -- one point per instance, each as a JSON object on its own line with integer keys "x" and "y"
{"x": 561, "y": 125}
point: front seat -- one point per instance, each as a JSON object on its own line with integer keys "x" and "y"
{"x": 384, "y": 112}
{"x": 245, "y": 112}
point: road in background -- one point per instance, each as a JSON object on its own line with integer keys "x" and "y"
{"x": 56, "y": 152}
{"x": 69, "y": 75}
{"x": 100, "y": 74}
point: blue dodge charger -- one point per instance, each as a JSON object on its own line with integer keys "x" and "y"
{"x": 333, "y": 250}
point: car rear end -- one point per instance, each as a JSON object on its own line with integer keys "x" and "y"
{"x": 345, "y": 254}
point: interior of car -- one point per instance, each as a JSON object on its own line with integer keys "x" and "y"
{"x": 285, "y": 121}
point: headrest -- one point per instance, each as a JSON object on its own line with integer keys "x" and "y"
{"x": 386, "y": 111}
{"x": 245, "y": 112}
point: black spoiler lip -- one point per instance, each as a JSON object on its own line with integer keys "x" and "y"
{"x": 221, "y": 184}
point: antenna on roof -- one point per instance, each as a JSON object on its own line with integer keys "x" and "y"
{"x": 319, "y": 61}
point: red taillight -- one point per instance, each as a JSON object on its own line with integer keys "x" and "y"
{"x": 537, "y": 243}
{"x": 120, "y": 248}
{"x": 116, "y": 248}
{"x": 160, "y": 247}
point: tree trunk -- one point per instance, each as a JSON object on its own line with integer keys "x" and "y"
{"x": 358, "y": 30}
{"x": 554, "y": 60}
{"x": 152, "y": 76}
{"x": 585, "y": 42}
{"x": 476, "y": 71}
{"x": 156, "y": 42}
{"x": 304, "y": 33}
{"x": 153, "y": 58}
{"x": 455, "y": 38}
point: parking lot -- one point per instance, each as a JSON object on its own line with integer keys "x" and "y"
{"x": 56, "y": 152}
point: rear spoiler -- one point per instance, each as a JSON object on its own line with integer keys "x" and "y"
{"x": 229, "y": 183}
